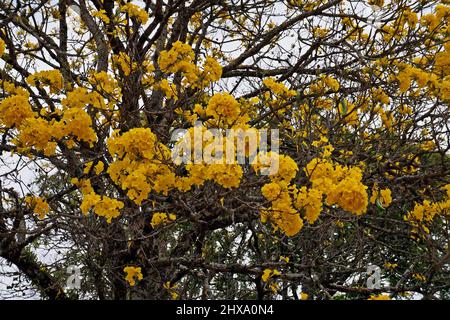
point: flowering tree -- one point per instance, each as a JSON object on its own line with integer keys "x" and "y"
{"x": 93, "y": 91}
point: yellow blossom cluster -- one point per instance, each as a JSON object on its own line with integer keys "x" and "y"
{"x": 37, "y": 133}
{"x": 105, "y": 84}
{"x": 169, "y": 89}
{"x": 81, "y": 97}
{"x": 278, "y": 88}
{"x": 216, "y": 162}
{"x": 419, "y": 277}
{"x": 98, "y": 168}
{"x": 436, "y": 81}
{"x": 282, "y": 213}
{"x": 102, "y": 15}
{"x": 2, "y": 47}
{"x": 42, "y": 131}
{"x": 311, "y": 202}
{"x": 390, "y": 266}
{"x": 348, "y": 112}
{"x": 180, "y": 59}
{"x": 223, "y": 106}
{"x": 38, "y": 205}
{"x": 341, "y": 185}
{"x": 76, "y": 122}
{"x": 269, "y": 273}
{"x": 226, "y": 175}
{"x": 141, "y": 164}
{"x": 14, "y": 110}
{"x": 382, "y": 197}
{"x": 124, "y": 62}
{"x": 323, "y": 84}
{"x": 51, "y": 78}
{"x": 133, "y": 274}
{"x": 378, "y": 95}
{"x": 159, "y": 218}
{"x": 424, "y": 213}
{"x": 103, "y": 206}
{"x": 135, "y": 11}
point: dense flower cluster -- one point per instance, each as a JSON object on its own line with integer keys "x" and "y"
{"x": 311, "y": 202}
{"x": 51, "y": 78}
{"x": 340, "y": 184}
{"x": 103, "y": 206}
{"x": 180, "y": 59}
{"x": 222, "y": 106}
{"x": 141, "y": 164}
{"x": 135, "y": 11}
{"x": 282, "y": 213}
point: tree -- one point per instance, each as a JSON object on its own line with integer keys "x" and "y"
{"x": 94, "y": 93}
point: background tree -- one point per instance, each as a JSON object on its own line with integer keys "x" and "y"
{"x": 92, "y": 90}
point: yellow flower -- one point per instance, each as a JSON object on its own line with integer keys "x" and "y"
{"x": 390, "y": 266}
{"x": 169, "y": 89}
{"x": 304, "y": 296}
{"x": 386, "y": 198}
{"x": 133, "y": 274}
{"x": 383, "y": 196}
{"x": 38, "y": 205}
{"x": 274, "y": 287}
{"x": 2, "y": 47}
{"x": 271, "y": 191}
{"x": 14, "y": 110}
{"x": 447, "y": 189}
{"x": 125, "y": 63}
{"x": 136, "y": 12}
{"x": 222, "y": 106}
{"x": 102, "y": 15}
{"x": 311, "y": 202}
{"x": 99, "y": 167}
{"x": 141, "y": 164}
{"x": 37, "y": 133}
{"x": 177, "y": 59}
{"x": 269, "y": 273}
{"x": 171, "y": 288}
{"x": 278, "y": 88}
{"x": 420, "y": 277}
{"x": 350, "y": 195}
{"x": 159, "y": 218}
{"x": 212, "y": 70}
{"x": 103, "y": 206}
{"x": 50, "y": 78}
